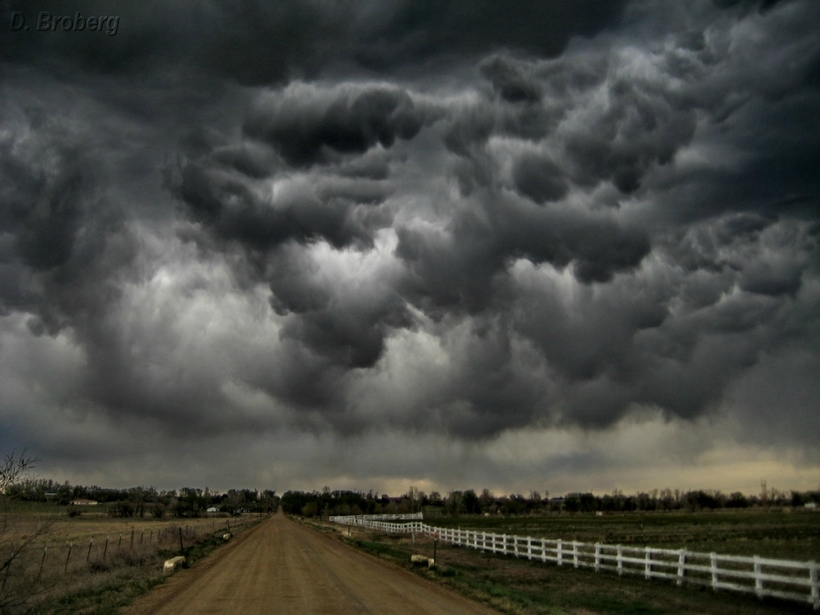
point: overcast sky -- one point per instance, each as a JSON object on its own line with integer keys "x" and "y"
{"x": 548, "y": 245}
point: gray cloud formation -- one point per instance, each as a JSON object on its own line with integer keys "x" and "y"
{"x": 573, "y": 212}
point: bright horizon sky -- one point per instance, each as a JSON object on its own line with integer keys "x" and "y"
{"x": 536, "y": 246}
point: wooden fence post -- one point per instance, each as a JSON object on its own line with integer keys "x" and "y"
{"x": 132, "y": 539}
{"x": 67, "y": 557}
{"x": 88, "y": 556}
{"x": 42, "y": 561}
{"x": 681, "y": 566}
{"x": 713, "y": 559}
{"x": 105, "y": 550}
{"x": 6, "y": 576}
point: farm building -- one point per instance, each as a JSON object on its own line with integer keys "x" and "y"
{"x": 83, "y": 502}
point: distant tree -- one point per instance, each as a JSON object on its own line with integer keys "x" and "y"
{"x": 471, "y": 504}
{"x": 487, "y": 501}
{"x": 737, "y": 500}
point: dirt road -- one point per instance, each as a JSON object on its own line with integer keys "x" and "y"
{"x": 281, "y": 566}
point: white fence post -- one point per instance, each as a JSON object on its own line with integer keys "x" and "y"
{"x": 681, "y": 566}
{"x": 647, "y": 571}
{"x": 529, "y": 547}
{"x": 575, "y": 553}
{"x": 713, "y": 558}
{"x": 560, "y": 553}
{"x": 597, "y": 557}
{"x": 620, "y": 561}
{"x": 815, "y": 589}
{"x": 758, "y": 577}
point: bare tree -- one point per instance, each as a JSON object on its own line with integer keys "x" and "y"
{"x": 19, "y": 590}
{"x": 13, "y": 468}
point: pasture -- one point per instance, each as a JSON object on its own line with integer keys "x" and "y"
{"x": 777, "y": 534}
{"x": 520, "y": 586}
{"x": 91, "y": 563}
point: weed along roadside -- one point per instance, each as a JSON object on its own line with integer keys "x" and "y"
{"x": 62, "y": 569}
{"x": 521, "y": 585}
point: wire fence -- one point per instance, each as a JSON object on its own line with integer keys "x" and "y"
{"x": 790, "y": 580}
{"x": 34, "y": 563}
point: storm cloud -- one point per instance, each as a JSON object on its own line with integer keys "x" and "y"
{"x": 433, "y": 221}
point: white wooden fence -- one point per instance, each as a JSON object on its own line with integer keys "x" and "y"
{"x": 761, "y": 576}
{"x": 346, "y": 519}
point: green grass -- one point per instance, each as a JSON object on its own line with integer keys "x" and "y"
{"x": 518, "y": 586}
{"x": 778, "y": 534}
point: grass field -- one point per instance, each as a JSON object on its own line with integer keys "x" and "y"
{"x": 92, "y": 564}
{"x": 776, "y": 534}
{"x": 517, "y": 586}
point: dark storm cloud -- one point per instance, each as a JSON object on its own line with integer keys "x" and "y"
{"x": 257, "y": 43}
{"x": 539, "y": 178}
{"x": 272, "y": 215}
{"x": 301, "y": 123}
{"x": 409, "y": 31}
{"x": 55, "y": 224}
{"x": 617, "y": 119}
{"x": 573, "y": 209}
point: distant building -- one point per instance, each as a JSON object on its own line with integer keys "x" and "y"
{"x": 83, "y": 502}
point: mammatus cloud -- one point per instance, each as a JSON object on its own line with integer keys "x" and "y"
{"x": 366, "y": 222}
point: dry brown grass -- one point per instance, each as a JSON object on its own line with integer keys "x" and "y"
{"x": 90, "y": 563}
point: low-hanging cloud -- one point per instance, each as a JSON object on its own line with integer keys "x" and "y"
{"x": 413, "y": 218}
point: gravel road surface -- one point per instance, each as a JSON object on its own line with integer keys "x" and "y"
{"x": 281, "y": 566}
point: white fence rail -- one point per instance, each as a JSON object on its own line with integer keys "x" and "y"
{"x": 756, "y": 575}
{"x": 345, "y": 519}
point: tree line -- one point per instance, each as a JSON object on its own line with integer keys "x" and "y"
{"x": 145, "y": 501}
{"x": 455, "y": 503}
